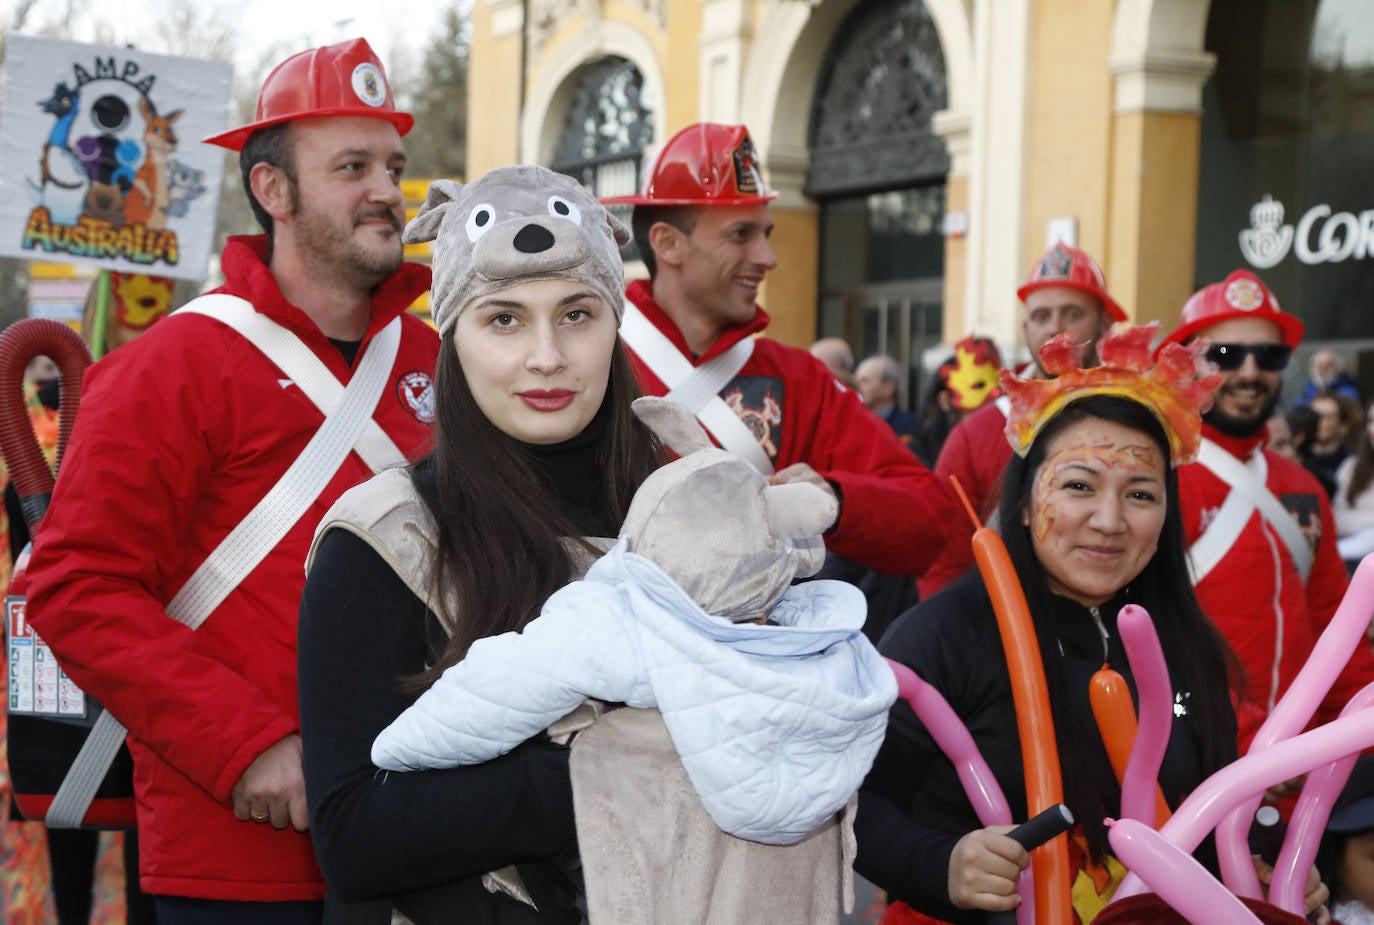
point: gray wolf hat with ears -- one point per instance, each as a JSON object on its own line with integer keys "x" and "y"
{"x": 512, "y": 225}
{"x": 713, "y": 523}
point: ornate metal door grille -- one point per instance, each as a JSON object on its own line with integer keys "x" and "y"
{"x": 883, "y": 79}
{"x": 607, "y": 128}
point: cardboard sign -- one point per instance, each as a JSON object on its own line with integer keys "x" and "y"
{"x": 101, "y": 160}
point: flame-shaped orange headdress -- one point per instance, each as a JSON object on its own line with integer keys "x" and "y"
{"x": 1177, "y": 387}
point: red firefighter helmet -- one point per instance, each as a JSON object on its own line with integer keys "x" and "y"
{"x": 1240, "y": 295}
{"x": 1072, "y": 268}
{"x": 346, "y": 79}
{"x": 705, "y": 164}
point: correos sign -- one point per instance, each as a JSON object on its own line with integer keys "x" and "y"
{"x": 1321, "y": 236}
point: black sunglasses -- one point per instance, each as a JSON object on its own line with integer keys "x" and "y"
{"x": 1271, "y": 358}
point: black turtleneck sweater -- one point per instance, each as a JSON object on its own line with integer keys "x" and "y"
{"x": 573, "y": 475}
{"x": 425, "y": 837}
{"x": 912, "y": 808}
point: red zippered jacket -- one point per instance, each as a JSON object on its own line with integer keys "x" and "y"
{"x": 1256, "y": 596}
{"x": 894, "y": 515}
{"x": 976, "y": 451}
{"x": 179, "y": 435}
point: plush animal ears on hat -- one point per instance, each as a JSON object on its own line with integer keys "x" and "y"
{"x": 516, "y": 223}
{"x": 443, "y": 193}
{"x": 795, "y": 510}
{"x": 425, "y": 225}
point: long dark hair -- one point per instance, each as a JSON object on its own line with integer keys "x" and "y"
{"x": 502, "y": 545}
{"x": 1200, "y": 660}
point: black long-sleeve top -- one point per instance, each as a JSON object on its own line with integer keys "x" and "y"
{"x": 912, "y": 808}
{"x": 424, "y": 837}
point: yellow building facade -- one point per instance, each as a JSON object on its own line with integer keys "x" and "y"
{"x": 1027, "y": 121}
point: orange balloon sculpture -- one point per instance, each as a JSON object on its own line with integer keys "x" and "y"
{"x": 1116, "y": 721}
{"x": 1034, "y": 722}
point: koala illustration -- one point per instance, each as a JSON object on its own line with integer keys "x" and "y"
{"x": 184, "y": 183}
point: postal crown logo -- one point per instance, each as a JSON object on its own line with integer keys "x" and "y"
{"x": 1244, "y": 294}
{"x": 369, "y": 84}
{"x": 1267, "y": 241}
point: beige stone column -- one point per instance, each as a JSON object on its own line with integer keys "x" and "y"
{"x": 1156, "y": 125}
{"x": 789, "y": 293}
{"x": 997, "y": 171}
{"x": 494, "y": 92}
{"x": 953, "y": 127}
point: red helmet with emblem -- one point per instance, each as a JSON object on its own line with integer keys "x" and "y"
{"x": 705, "y": 164}
{"x": 346, "y": 79}
{"x": 1072, "y": 268}
{"x": 1240, "y": 295}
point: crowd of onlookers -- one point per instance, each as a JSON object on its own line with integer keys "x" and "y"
{"x": 963, "y": 382}
{"x": 1326, "y": 428}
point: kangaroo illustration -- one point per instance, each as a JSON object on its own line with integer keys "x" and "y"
{"x": 147, "y": 202}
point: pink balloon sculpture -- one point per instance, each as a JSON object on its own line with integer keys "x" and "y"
{"x": 1309, "y": 820}
{"x": 1245, "y": 779}
{"x": 1156, "y": 698}
{"x": 981, "y": 787}
{"x": 954, "y": 740}
{"x": 1294, "y": 711}
{"x": 1176, "y": 876}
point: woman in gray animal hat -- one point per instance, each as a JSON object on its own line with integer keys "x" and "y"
{"x": 536, "y": 450}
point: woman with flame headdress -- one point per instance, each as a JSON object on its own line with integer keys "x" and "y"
{"x": 1089, "y": 515}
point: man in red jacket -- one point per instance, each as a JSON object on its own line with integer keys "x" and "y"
{"x": 702, "y": 224}
{"x": 1262, "y": 542}
{"x": 181, "y": 437}
{"x": 1066, "y": 291}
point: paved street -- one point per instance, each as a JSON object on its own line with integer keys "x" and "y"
{"x": 866, "y": 912}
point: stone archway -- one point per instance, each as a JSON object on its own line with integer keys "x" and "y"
{"x": 1162, "y": 42}
{"x": 552, "y": 88}
{"x": 780, "y": 81}
{"x": 785, "y": 65}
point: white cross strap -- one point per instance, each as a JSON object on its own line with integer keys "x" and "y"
{"x": 1248, "y": 494}
{"x": 299, "y": 365}
{"x": 346, "y": 420}
{"x": 697, "y": 388}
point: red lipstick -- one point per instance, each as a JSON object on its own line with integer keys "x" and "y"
{"x": 547, "y": 399}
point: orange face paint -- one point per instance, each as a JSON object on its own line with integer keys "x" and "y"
{"x": 1094, "y": 453}
{"x": 1096, "y": 509}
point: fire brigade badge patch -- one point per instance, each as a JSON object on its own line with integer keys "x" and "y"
{"x": 747, "y": 179}
{"x": 415, "y": 390}
{"x": 368, "y": 84}
{"x": 1057, "y": 264}
{"x": 757, "y": 400}
{"x": 1244, "y": 294}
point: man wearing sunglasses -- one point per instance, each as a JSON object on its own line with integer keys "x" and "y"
{"x": 1065, "y": 291}
{"x": 1262, "y": 542}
